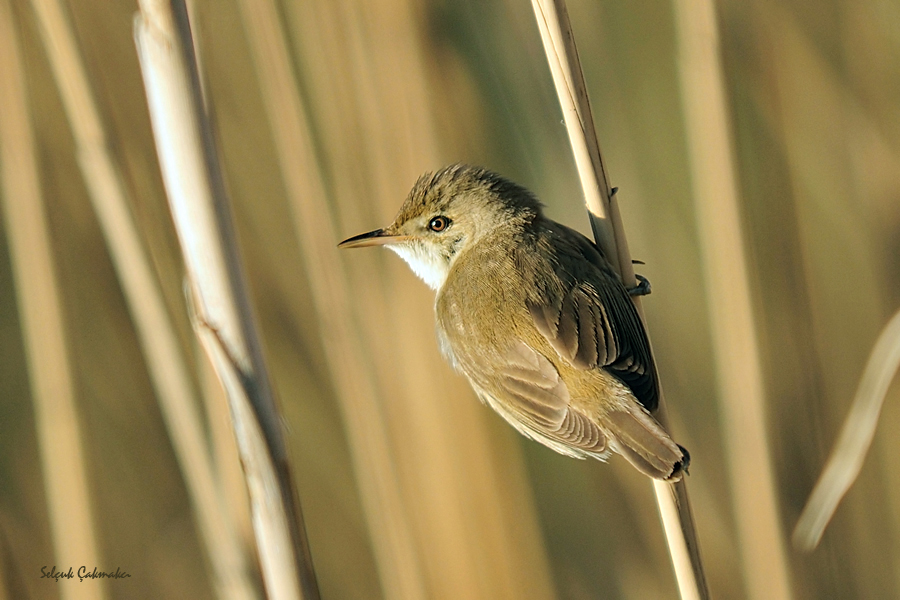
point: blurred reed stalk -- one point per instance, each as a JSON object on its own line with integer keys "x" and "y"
{"x": 224, "y": 449}
{"x": 223, "y": 315}
{"x": 846, "y": 459}
{"x": 832, "y": 207}
{"x": 461, "y": 485}
{"x": 43, "y": 329}
{"x": 399, "y": 567}
{"x": 226, "y": 455}
{"x": 738, "y": 371}
{"x": 155, "y": 330}
{"x": 606, "y": 222}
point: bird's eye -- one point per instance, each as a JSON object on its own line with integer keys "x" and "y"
{"x": 439, "y": 224}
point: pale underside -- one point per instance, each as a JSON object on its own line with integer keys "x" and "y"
{"x": 429, "y": 266}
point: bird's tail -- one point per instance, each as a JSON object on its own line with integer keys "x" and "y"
{"x": 645, "y": 444}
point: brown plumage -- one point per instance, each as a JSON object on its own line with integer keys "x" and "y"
{"x": 536, "y": 318}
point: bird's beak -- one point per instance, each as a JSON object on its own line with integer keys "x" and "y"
{"x": 379, "y": 237}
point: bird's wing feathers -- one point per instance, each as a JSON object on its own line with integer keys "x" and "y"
{"x": 590, "y": 320}
{"x": 537, "y": 397}
{"x": 534, "y": 383}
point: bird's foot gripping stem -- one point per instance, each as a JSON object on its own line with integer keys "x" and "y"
{"x": 642, "y": 288}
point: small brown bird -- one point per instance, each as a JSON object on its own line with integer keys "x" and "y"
{"x": 536, "y": 318}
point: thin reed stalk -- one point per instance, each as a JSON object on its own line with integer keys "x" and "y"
{"x": 735, "y": 346}
{"x": 41, "y": 312}
{"x": 223, "y": 315}
{"x": 465, "y": 497}
{"x": 387, "y": 518}
{"x": 155, "y": 330}
{"x": 224, "y": 449}
{"x": 562, "y": 55}
{"x": 846, "y": 459}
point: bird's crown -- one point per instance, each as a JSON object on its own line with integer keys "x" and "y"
{"x": 465, "y": 189}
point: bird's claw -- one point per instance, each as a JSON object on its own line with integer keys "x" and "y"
{"x": 642, "y": 288}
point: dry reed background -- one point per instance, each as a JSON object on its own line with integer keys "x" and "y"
{"x": 388, "y": 89}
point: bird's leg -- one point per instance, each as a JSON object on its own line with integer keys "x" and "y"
{"x": 686, "y": 461}
{"x": 642, "y": 288}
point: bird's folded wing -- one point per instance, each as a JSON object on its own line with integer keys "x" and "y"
{"x": 534, "y": 398}
{"x": 589, "y": 318}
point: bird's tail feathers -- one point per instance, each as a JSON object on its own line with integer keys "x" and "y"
{"x": 638, "y": 437}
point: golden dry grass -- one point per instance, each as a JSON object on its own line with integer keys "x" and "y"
{"x": 386, "y": 90}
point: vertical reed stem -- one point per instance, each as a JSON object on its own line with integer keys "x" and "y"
{"x": 43, "y": 328}
{"x": 559, "y": 46}
{"x": 201, "y": 212}
{"x": 735, "y": 346}
{"x": 155, "y": 331}
{"x": 399, "y": 566}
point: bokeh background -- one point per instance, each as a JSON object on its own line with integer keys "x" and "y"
{"x": 389, "y": 89}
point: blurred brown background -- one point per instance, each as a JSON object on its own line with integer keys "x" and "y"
{"x": 392, "y": 88}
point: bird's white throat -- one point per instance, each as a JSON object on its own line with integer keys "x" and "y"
{"x": 430, "y": 266}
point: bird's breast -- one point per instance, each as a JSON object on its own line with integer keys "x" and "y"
{"x": 481, "y": 310}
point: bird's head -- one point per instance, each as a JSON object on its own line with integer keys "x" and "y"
{"x": 447, "y": 212}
